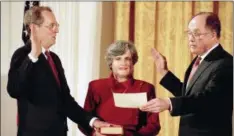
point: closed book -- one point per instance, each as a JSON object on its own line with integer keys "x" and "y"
{"x": 111, "y": 130}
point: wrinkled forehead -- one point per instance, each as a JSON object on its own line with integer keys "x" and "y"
{"x": 197, "y": 23}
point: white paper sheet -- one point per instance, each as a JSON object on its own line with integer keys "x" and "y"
{"x": 130, "y": 100}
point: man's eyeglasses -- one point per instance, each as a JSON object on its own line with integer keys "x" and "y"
{"x": 52, "y": 26}
{"x": 195, "y": 34}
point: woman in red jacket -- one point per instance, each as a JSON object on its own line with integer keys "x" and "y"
{"x": 121, "y": 57}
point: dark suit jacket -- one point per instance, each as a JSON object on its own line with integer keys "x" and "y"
{"x": 206, "y": 105}
{"x": 43, "y": 106}
{"x": 100, "y": 102}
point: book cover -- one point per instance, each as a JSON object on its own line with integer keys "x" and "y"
{"x": 114, "y": 130}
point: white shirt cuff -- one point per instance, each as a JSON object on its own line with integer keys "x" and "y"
{"x": 92, "y": 121}
{"x": 33, "y": 59}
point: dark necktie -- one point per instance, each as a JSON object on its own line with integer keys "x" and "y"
{"x": 194, "y": 69}
{"x": 52, "y": 65}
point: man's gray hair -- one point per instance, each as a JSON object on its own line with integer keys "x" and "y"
{"x": 119, "y": 48}
{"x": 33, "y": 16}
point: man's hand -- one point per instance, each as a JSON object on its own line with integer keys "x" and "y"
{"x": 160, "y": 62}
{"x": 98, "y": 124}
{"x": 36, "y": 41}
{"x": 156, "y": 105}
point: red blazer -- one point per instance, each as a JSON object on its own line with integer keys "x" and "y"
{"x": 100, "y": 102}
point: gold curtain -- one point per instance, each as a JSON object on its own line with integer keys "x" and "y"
{"x": 161, "y": 25}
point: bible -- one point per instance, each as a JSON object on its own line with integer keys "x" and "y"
{"x": 114, "y": 130}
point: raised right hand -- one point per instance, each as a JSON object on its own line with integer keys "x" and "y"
{"x": 98, "y": 124}
{"x": 160, "y": 62}
{"x": 35, "y": 41}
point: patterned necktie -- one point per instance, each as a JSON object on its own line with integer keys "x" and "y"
{"x": 194, "y": 69}
{"x": 52, "y": 65}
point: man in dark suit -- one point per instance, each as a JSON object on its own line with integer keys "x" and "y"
{"x": 204, "y": 99}
{"x": 36, "y": 79}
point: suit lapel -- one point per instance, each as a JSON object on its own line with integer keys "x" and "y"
{"x": 212, "y": 56}
{"x": 58, "y": 67}
{"x": 48, "y": 69}
{"x": 204, "y": 65}
{"x": 187, "y": 76}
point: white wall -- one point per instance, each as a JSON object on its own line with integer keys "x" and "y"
{"x": 11, "y": 27}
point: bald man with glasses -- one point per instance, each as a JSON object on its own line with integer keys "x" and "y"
{"x": 204, "y": 100}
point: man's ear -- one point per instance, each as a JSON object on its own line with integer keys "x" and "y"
{"x": 31, "y": 26}
{"x": 213, "y": 34}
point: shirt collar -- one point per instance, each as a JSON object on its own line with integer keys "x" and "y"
{"x": 126, "y": 84}
{"x": 206, "y": 53}
{"x": 44, "y": 50}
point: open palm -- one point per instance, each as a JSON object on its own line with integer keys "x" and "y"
{"x": 160, "y": 62}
